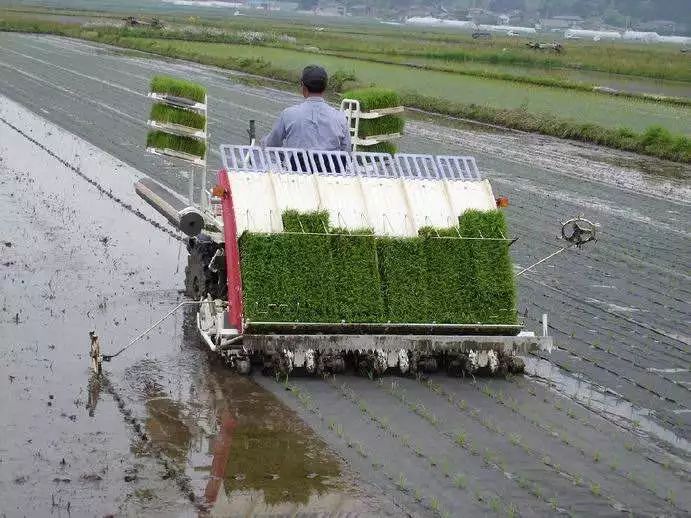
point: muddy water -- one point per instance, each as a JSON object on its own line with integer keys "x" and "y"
{"x": 165, "y": 431}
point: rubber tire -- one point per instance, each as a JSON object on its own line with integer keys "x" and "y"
{"x": 199, "y": 280}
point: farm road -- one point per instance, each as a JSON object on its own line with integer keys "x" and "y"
{"x": 618, "y": 311}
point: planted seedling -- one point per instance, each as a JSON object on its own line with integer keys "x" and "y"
{"x": 461, "y": 439}
{"x": 460, "y": 481}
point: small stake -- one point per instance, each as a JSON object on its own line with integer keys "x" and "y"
{"x": 95, "y": 353}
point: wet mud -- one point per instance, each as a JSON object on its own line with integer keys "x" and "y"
{"x": 165, "y": 430}
{"x": 598, "y": 427}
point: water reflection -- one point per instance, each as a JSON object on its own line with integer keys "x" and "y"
{"x": 620, "y": 410}
{"x": 244, "y": 450}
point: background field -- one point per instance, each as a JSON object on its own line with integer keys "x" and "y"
{"x": 499, "y": 81}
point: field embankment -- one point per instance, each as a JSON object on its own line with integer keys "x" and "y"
{"x": 630, "y": 122}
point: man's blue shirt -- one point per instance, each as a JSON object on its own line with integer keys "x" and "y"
{"x": 312, "y": 124}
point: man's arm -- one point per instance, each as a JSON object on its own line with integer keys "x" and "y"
{"x": 275, "y": 138}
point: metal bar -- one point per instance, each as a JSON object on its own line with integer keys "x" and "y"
{"x": 543, "y": 260}
{"x": 108, "y": 357}
{"x": 235, "y": 309}
{"x": 341, "y": 328}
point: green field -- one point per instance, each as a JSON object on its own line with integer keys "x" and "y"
{"x": 604, "y": 110}
{"x": 498, "y": 81}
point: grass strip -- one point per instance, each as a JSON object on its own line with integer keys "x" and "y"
{"x": 352, "y": 277}
{"x": 493, "y": 295}
{"x": 316, "y": 222}
{"x": 381, "y": 126}
{"x": 161, "y": 140}
{"x": 382, "y": 147}
{"x": 357, "y": 283}
{"x": 447, "y": 52}
{"x": 172, "y": 115}
{"x": 374, "y": 98}
{"x": 449, "y": 283}
{"x": 178, "y": 88}
{"x": 655, "y": 141}
{"x": 403, "y": 270}
{"x": 287, "y": 277}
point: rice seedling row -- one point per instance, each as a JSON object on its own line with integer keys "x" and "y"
{"x": 516, "y": 440}
{"x": 468, "y": 446}
{"x": 460, "y": 481}
{"x": 462, "y": 439}
{"x": 639, "y": 352}
{"x": 567, "y": 406}
{"x": 400, "y": 481}
{"x": 608, "y": 351}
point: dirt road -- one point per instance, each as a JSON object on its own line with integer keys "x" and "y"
{"x": 600, "y": 428}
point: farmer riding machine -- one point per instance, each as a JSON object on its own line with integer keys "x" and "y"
{"x": 303, "y": 260}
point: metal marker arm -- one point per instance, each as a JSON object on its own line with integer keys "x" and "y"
{"x": 108, "y": 357}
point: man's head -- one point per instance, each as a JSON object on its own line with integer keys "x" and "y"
{"x": 314, "y": 80}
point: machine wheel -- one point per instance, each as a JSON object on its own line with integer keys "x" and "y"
{"x": 200, "y": 281}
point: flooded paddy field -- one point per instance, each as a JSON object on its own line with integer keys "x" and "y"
{"x": 598, "y": 427}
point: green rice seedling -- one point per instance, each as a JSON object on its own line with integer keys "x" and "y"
{"x": 316, "y": 222}
{"x": 488, "y": 456}
{"x": 382, "y": 147}
{"x": 460, "y": 481}
{"x": 512, "y": 510}
{"x": 178, "y": 88}
{"x": 172, "y": 115}
{"x": 374, "y": 98}
{"x": 287, "y": 277}
{"x": 515, "y": 439}
{"x": 417, "y": 495}
{"x": 554, "y": 503}
{"x": 385, "y": 125}
{"x": 671, "y": 497}
{"x": 596, "y": 456}
{"x": 434, "y": 504}
{"x": 449, "y": 288}
{"x": 493, "y": 298}
{"x": 161, "y": 140}
{"x": 495, "y": 504}
{"x": 536, "y": 491}
{"x": 595, "y": 489}
{"x": 402, "y": 482}
{"x": 361, "y": 451}
{"x": 403, "y": 274}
